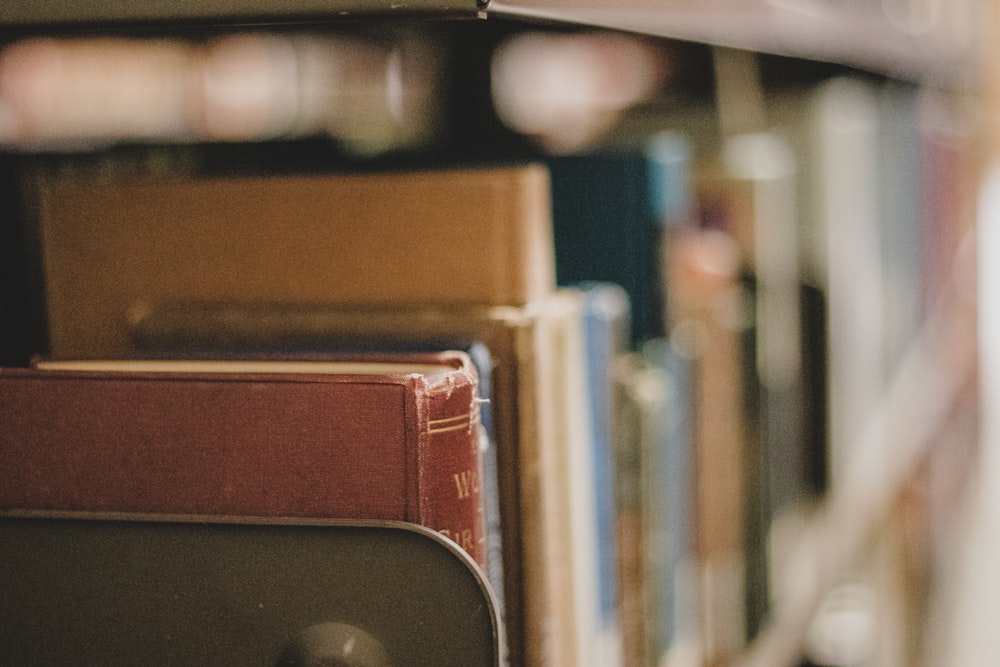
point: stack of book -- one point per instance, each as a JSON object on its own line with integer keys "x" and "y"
{"x": 379, "y": 345}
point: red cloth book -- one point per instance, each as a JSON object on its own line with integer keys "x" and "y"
{"x": 360, "y": 438}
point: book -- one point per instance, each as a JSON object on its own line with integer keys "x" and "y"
{"x": 588, "y": 330}
{"x": 15, "y": 305}
{"x": 706, "y": 322}
{"x": 609, "y": 210}
{"x": 900, "y": 560}
{"x": 966, "y": 594}
{"x": 358, "y": 438}
{"x": 574, "y": 506}
{"x": 950, "y": 178}
{"x": 629, "y": 422}
{"x": 115, "y": 248}
{"x": 74, "y": 94}
{"x": 751, "y": 194}
{"x": 669, "y": 506}
{"x": 845, "y": 216}
{"x": 656, "y": 521}
{"x": 606, "y": 314}
{"x": 519, "y": 342}
{"x": 936, "y": 497}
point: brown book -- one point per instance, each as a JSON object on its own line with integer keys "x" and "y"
{"x": 705, "y": 321}
{"x": 751, "y": 195}
{"x": 520, "y": 341}
{"x": 359, "y": 438}
{"x": 112, "y": 249}
{"x": 92, "y": 92}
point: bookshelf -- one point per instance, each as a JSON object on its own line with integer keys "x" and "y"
{"x": 936, "y": 48}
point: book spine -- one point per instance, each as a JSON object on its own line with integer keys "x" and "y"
{"x": 294, "y": 446}
{"x": 577, "y": 543}
{"x": 666, "y": 484}
{"x": 705, "y": 310}
{"x": 629, "y": 536}
{"x": 451, "y": 469}
{"x": 606, "y": 334}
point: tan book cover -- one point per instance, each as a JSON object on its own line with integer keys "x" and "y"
{"x": 113, "y": 249}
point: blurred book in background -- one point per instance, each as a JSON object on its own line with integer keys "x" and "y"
{"x": 371, "y": 92}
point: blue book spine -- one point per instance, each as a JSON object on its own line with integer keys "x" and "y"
{"x": 606, "y": 315}
{"x": 668, "y": 502}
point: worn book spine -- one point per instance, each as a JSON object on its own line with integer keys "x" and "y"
{"x": 360, "y": 447}
{"x": 451, "y": 472}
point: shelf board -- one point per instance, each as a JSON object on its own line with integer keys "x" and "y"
{"x": 16, "y": 15}
{"x": 857, "y": 33}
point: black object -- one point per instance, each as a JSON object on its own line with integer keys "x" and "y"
{"x": 98, "y": 590}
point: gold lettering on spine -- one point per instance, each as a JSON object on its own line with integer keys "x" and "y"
{"x": 466, "y": 483}
{"x": 466, "y": 540}
{"x": 464, "y": 537}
